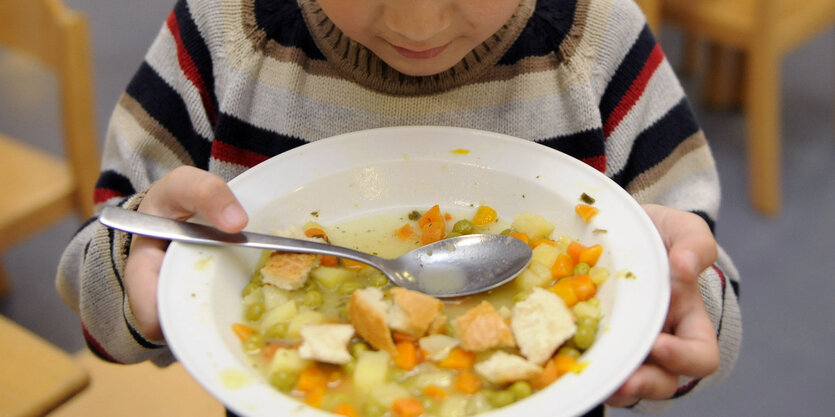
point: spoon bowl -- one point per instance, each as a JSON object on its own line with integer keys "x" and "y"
{"x": 452, "y": 267}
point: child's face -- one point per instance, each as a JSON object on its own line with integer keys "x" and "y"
{"x": 420, "y": 37}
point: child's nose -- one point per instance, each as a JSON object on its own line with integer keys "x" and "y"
{"x": 417, "y": 20}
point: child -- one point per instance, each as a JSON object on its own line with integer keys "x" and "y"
{"x": 230, "y": 83}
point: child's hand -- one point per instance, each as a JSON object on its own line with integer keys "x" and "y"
{"x": 182, "y": 193}
{"x": 687, "y": 345}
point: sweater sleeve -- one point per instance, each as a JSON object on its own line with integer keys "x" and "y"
{"x": 657, "y": 151}
{"x": 162, "y": 121}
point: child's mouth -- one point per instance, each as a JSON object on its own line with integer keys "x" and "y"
{"x": 425, "y": 54}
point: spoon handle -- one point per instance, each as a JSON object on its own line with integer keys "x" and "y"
{"x": 164, "y": 228}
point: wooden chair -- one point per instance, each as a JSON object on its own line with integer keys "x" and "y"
{"x": 762, "y": 31}
{"x": 39, "y": 188}
{"x": 37, "y": 376}
{"x": 652, "y": 11}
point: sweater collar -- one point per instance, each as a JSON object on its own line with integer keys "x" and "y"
{"x": 358, "y": 63}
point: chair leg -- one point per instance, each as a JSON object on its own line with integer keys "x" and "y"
{"x": 5, "y": 283}
{"x": 690, "y": 58}
{"x": 721, "y": 87}
{"x": 762, "y": 112}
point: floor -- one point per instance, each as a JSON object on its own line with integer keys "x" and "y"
{"x": 786, "y": 262}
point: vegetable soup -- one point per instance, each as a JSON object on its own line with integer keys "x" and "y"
{"x": 337, "y": 335}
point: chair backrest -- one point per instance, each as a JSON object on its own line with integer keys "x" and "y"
{"x": 59, "y": 39}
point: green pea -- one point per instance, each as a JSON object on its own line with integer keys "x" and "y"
{"x": 501, "y": 398}
{"x": 584, "y": 337}
{"x": 283, "y": 381}
{"x": 252, "y": 286}
{"x": 311, "y": 285}
{"x": 372, "y": 409}
{"x": 520, "y": 296}
{"x": 348, "y": 287}
{"x": 378, "y": 280}
{"x": 506, "y": 232}
{"x": 253, "y": 343}
{"x": 451, "y": 235}
{"x": 256, "y": 277}
{"x": 587, "y": 321}
{"x": 520, "y": 389}
{"x": 277, "y": 331}
{"x": 581, "y": 268}
{"x": 570, "y": 351}
{"x": 254, "y": 311}
{"x": 358, "y": 348}
{"x": 464, "y": 227}
{"x": 396, "y": 374}
{"x": 349, "y": 367}
{"x": 312, "y": 298}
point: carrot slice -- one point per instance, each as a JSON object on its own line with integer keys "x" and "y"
{"x": 346, "y": 410}
{"x": 484, "y": 215}
{"x": 407, "y": 407}
{"x": 328, "y": 260}
{"x": 583, "y": 287}
{"x": 565, "y": 290}
{"x": 405, "y": 233}
{"x": 563, "y": 266}
{"x": 467, "y": 382}
{"x": 407, "y": 357}
{"x": 574, "y": 249}
{"x": 549, "y": 374}
{"x": 521, "y": 236}
{"x": 432, "y": 232}
{"x": 586, "y": 212}
{"x": 434, "y": 391}
{"x": 433, "y": 215}
{"x": 591, "y": 254}
{"x": 458, "y": 359}
{"x": 311, "y": 379}
{"x": 242, "y": 331}
{"x": 316, "y": 232}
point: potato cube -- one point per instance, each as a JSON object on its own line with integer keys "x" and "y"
{"x": 533, "y": 225}
{"x": 545, "y": 254}
{"x": 331, "y": 276}
{"x": 288, "y": 360}
{"x": 301, "y": 319}
{"x": 536, "y": 275}
{"x": 282, "y": 313}
{"x": 371, "y": 370}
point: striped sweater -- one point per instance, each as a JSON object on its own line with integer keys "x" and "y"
{"x": 230, "y": 83}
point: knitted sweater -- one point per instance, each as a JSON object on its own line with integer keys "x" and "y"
{"x": 229, "y": 83}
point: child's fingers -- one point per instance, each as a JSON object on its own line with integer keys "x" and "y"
{"x": 187, "y": 191}
{"x": 650, "y": 382}
{"x": 141, "y": 273}
{"x": 689, "y": 241}
{"x": 695, "y": 357}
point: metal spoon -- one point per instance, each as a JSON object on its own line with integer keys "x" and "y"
{"x": 452, "y": 267}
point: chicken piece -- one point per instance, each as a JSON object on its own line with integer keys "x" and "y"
{"x": 326, "y": 342}
{"x": 541, "y": 323}
{"x": 482, "y": 328}
{"x": 288, "y": 271}
{"x": 503, "y": 367}
{"x": 368, "y": 312}
{"x": 413, "y": 312}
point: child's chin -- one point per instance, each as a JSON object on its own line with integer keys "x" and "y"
{"x": 416, "y": 68}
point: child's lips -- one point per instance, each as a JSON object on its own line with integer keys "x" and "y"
{"x": 424, "y": 54}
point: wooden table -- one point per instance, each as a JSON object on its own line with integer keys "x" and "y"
{"x": 35, "y": 376}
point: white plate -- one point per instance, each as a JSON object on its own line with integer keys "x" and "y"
{"x": 375, "y": 171}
